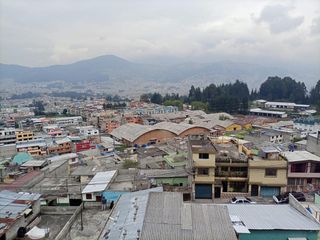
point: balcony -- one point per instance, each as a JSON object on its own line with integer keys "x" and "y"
{"x": 303, "y": 175}
{"x": 232, "y": 174}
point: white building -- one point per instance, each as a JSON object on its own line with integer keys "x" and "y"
{"x": 68, "y": 121}
{"x": 7, "y": 136}
{"x": 98, "y": 184}
{"x": 88, "y": 131}
{"x": 286, "y": 106}
{"x": 307, "y": 125}
{"x": 266, "y": 113}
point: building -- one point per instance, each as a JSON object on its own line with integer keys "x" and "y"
{"x": 60, "y": 146}
{"x": 267, "y": 173}
{"x": 231, "y": 168}
{"x": 168, "y": 217}
{"x": 7, "y": 136}
{"x": 265, "y": 113}
{"x": 36, "y": 147}
{"x": 98, "y": 184}
{"x": 265, "y": 135}
{"x": 109, "y": 125}
{"x": 313, "y": 143}
{"x": 277, "y": 222}
{"x": 132, "y": 134}
{"x": 24, "y": 135}
{"x": 21, "y": 158}
{"x": 34, "y": 165}
{"x": 67, "y": 121}
{"x": 18, "y": 210}
{"x": 287, "y": 106}
{"x": 129, "y": 223}
{"x": 303, "y": 170}
{"x": 71, "y": 158}
{"x": 202, "y": 156}
{"x": 88, "y": 131}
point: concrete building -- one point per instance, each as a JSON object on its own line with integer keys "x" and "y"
{"x": 60, "y": 146}
{"x": 88, "y": 131}
{"x": 67, "y": 121}
{"x": 287, "y": 106}
{"x": 303, "y": 170}
{"x": 7, "y": 136}
{"x": 98, "y": 184}
{"x": 231, "y": 171}
{"x": 202, "y": 156}
{"x": 22, "y": 135}
{"x": 36, "y": 147}
{"x": 18, "y": 210}
{"x": 267, "y": 173}
{"x": 265, "y": 113}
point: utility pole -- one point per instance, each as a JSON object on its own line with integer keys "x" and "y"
{"x": 81, "y": 207}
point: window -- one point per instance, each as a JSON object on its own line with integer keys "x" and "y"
{"x": 203, "y": 155}
{"x": 271, "y": 172}
{"x": 203, "y": 171}
{"x": 88, "y": 196}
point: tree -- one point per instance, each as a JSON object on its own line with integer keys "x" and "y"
{"x": 156, "y": 98}
{"x": 65, "y": 111}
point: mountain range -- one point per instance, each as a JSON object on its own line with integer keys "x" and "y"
{"x": 109, "y": 69}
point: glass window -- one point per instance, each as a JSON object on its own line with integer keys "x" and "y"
{"x": 271, "y": 172}
{"x": 203, "y": 171}
{"x": 203, "y": 155}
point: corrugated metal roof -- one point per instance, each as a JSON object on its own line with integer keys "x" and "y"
{"x": 100, "y": 182}
{"x": 168, "y": 217}
{"x": 66, "y": 156}
{"x": 298, "y": 156}
{"x": 121, "y": 223}
{"x": 269, "y": 217}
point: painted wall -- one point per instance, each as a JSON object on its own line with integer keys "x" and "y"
{"x": 257, "y": 172}
{"x": 233, "y": 127}
{"x": 278, "y": 235}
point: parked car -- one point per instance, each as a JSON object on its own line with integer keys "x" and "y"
{"x": 284, "y": 197}
{"x": 241, "y": 200}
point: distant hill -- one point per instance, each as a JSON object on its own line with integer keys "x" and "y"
{"x": 110, "y": 68}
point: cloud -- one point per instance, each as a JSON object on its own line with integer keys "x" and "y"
{"x": 278, "y": 19}
{"x": 315, "y": 27}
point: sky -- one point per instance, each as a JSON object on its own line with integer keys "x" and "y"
{"x": 282, "y": 33}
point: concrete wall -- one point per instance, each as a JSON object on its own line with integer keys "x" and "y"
{"x": 173, "y": 181}
{"x": 257, "y": 173}
{"x": 204, "y": 162}
{"x": 66, "y": 229}
{"x": 313, "y": 145}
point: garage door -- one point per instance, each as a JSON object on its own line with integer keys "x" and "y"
{"x": 203, "y": 191}
{"x": 269, "y": 191}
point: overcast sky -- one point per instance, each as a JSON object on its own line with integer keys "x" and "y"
{"x": 45, "y": 32}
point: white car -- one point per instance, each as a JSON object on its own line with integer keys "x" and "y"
{"x": 242, "y": 200}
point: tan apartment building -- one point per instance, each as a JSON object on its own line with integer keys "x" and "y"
{"x": 22, "y": 135}
{"x": 267, "y": 173}
{"x": 202, "y": 162}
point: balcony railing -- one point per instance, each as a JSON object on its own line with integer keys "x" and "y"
{"x": 231, "y": 174}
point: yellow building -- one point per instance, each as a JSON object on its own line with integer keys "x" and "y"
{"x": 267, "y": 177}
{"x": 202, "y": 160}
{"x": 24, "y": 135}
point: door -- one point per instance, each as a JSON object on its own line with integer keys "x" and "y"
{"x": 254, "y": 190}
{"x": 217, "y": 192}
{"x": 269, "y": 191}
{"x": 224, "y": 186}
{"x": 203, "y": 191}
